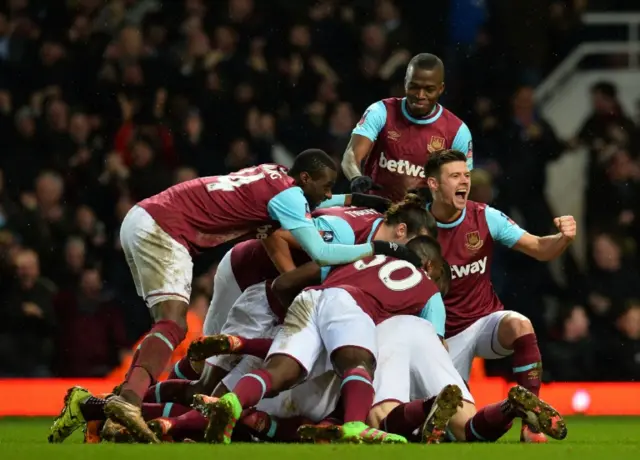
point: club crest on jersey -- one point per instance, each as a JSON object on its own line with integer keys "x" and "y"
{"x": 393, "y": 135}
{"x": 473, "y": 241}
{"x": 436, "y": 143}
{"x": 327, "y": 236}
{"x": 470, "y": 150}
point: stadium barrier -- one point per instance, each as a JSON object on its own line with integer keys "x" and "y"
{"x": 43, "y": 397}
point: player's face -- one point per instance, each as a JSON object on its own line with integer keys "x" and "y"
{"x": 423, "y": 88}
{"x": 454, "y": 184}
{"x": 318, "y": 188}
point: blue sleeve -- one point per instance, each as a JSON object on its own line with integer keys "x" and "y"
{"x": 335, "y": 230}
{"x": 291, "y": 209}
{"x": 372, "y": 121}
{"x": 464, "y": 144}
{"x": 435, "y": 313}
{"x": 502, "y": 228}
{"x": 324, "y": 272}
{"x": 335, "y": 200}
{"x": 324, "y": 253}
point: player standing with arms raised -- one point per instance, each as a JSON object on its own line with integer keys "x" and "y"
{"x": 395, "y": 136}
{"x": 477, "y": 324}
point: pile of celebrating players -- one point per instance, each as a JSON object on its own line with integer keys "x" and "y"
{"x": 298, "y": 349}
{"x": 335, "y": 318}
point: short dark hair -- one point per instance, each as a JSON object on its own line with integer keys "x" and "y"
{"x": 442, "y": 157}
{"x": 312, "y": 161}
{"x": 426, "y": 61}
{"x": 412, "y": 211}
{"x": 427, "y": 248}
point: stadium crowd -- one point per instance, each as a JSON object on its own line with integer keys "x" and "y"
{"x": 105, "y": 104}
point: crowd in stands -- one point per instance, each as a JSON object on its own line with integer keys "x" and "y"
{"x": 103, "y": 104}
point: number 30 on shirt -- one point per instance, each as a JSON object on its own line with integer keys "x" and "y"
{"x": 388, "y": 267}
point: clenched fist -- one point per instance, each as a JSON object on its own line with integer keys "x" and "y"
{"x": 567, "y": 226}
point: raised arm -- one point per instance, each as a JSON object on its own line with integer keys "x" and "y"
{"x": 542, "y": 248}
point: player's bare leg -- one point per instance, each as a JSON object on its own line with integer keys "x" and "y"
{"x": 356, "y": 366}
{"x": 281, "y": 372}
{"x": 443, "y": 408}
{"x": 148, "y": 363}
{"x": 516, "y": 333}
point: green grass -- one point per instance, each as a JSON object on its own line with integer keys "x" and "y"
{"x": 589, "y": 438}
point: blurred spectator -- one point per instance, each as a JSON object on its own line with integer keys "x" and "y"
{"x": 91, "y": 337}
{"x": 26, "y": 333}
{"x": 622, "y": 351}
{"x": 572, "y": 356}
{"x": 611, "y": 279}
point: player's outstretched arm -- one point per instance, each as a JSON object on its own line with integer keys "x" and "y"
{"x": 278, "y": 245}
{"x": 358, "y": 200}
{"x": 542, "y": 248}
{"x": 546, "y": 248}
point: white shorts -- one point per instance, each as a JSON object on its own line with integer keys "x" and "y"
{"x": 250, "y": 317}
{"x": 412, "y": 362}
{"x": 161, "y": 267}
{"x": 314, "y": 399}
{"x": 225, "y": 293}
{"x": 328, "y": 319}
{"x": 479, "y": 339}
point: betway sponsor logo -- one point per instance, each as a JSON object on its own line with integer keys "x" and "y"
{"x": 460, "y": 271}
{"x": 401, "y": 167}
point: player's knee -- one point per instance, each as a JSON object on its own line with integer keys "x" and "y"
{"x": 378, "y": 413}
{"x": 513, "y": 326}
{"x": 285, "y": 372}
{"x": 347, "y": 358}
{"x": 171, "y": 310}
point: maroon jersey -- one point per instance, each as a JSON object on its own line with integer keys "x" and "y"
{"x": 251, "y": 264}
{"x": 468, "y": 245}
{"x": 361, "y": 220}
{"x": 208, "y": 211}
{"x": 402, "y": 144}
{"x": 383, "y": 286}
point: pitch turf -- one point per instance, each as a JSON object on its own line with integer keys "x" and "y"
{"x": 588, "y": 439}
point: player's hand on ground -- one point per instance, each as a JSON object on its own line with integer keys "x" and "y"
{"x": 361, "y": 200}
{"x": 567, "y": 226}
{"x": 387, "y": 248}
{"x": 363, "y": 184}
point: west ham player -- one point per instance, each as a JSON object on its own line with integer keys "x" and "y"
{"x": 407, "y": 381}
{"x": 477, "y": 325}
{"x": 256, "y": 310}
{"x": 339, "y": 316}
{"x": 247, "y": 263}
{"x": 395, "y": 136}
{"x": 160, "y": 234}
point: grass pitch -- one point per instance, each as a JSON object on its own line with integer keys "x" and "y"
{"x": 590, "y": 438}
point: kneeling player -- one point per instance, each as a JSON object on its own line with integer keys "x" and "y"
{"x": 339, "y": 316}
{"x": 408, "y": 379}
